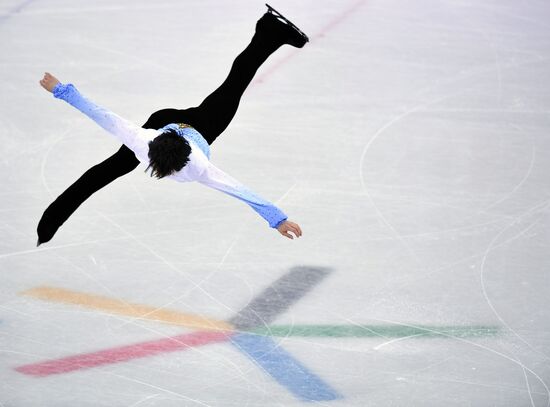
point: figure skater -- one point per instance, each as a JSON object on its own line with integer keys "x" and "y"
{"x": 176, "y": 143}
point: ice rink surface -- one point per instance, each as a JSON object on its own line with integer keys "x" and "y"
{"x": 409, "y": 139}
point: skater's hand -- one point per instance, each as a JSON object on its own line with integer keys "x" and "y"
{"x": 287, "y": 226}
{"x": 48, "y": 82}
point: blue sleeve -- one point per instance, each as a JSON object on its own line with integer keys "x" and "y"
{"x": 126, "y": 132}
{"x": 217, "y": 179}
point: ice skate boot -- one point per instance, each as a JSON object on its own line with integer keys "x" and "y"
{"x": 275, "y": 26}
{"x": 47, "y": 227}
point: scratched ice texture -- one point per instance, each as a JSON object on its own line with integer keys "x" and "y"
{"x": 409, "y": 139}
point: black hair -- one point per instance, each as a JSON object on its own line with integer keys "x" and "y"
{"x": 168, "y": 153}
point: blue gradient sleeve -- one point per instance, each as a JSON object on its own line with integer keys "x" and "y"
{"x": 217, "y": 179}
{"x": 125, "y": 131}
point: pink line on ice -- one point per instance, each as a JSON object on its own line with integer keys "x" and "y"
{"x": 338, "y": 19}
{"x": 321, "y": 33}
{"x": 123, "y": 353}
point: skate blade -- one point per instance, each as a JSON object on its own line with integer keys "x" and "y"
{"x": 286, "y": 20}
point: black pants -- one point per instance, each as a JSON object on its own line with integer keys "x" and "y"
{"x": 210, "y": 118}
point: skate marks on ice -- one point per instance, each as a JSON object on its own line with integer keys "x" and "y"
{"x": 278, "y": 297}
{"x": 284, "y": 368}
{"x": 250, "y": 331}
{"x": 266, "y": 353}
{"x": 14, "y": 11}
{"x": 120, "y": 307}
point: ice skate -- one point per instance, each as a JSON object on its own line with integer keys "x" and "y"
{"x": 276, "y": 26}
{"x": 48, "y": 225}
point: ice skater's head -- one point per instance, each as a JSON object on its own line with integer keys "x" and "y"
{"x": 168, "y": 153}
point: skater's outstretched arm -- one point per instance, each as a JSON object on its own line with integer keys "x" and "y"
{"x": 125, "y": 131}
{"x": 215, "y": 178}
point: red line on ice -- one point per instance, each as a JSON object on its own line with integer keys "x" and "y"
{"x": 123, "y": 353}
{"x": 321, "y": 33}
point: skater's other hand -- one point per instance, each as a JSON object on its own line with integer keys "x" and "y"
{"x": 288, "y": 226}
{"x": 48, "y": 82}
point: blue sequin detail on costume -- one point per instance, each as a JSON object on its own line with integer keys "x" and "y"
{"x": 61, "y": 88}
{"x": 190, "y": 134}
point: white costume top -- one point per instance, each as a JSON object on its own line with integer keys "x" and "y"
{"x": 198, "y": 168}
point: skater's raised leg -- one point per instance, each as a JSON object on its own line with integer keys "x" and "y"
{"x": 215, "y": 113}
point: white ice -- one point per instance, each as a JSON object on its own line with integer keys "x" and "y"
{"x": 409, "y": 139}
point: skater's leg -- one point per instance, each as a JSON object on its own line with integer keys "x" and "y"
{"x": 215, "y": 113}
{"x": 218, "y": 109}
{"x": 120, "y": 163}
